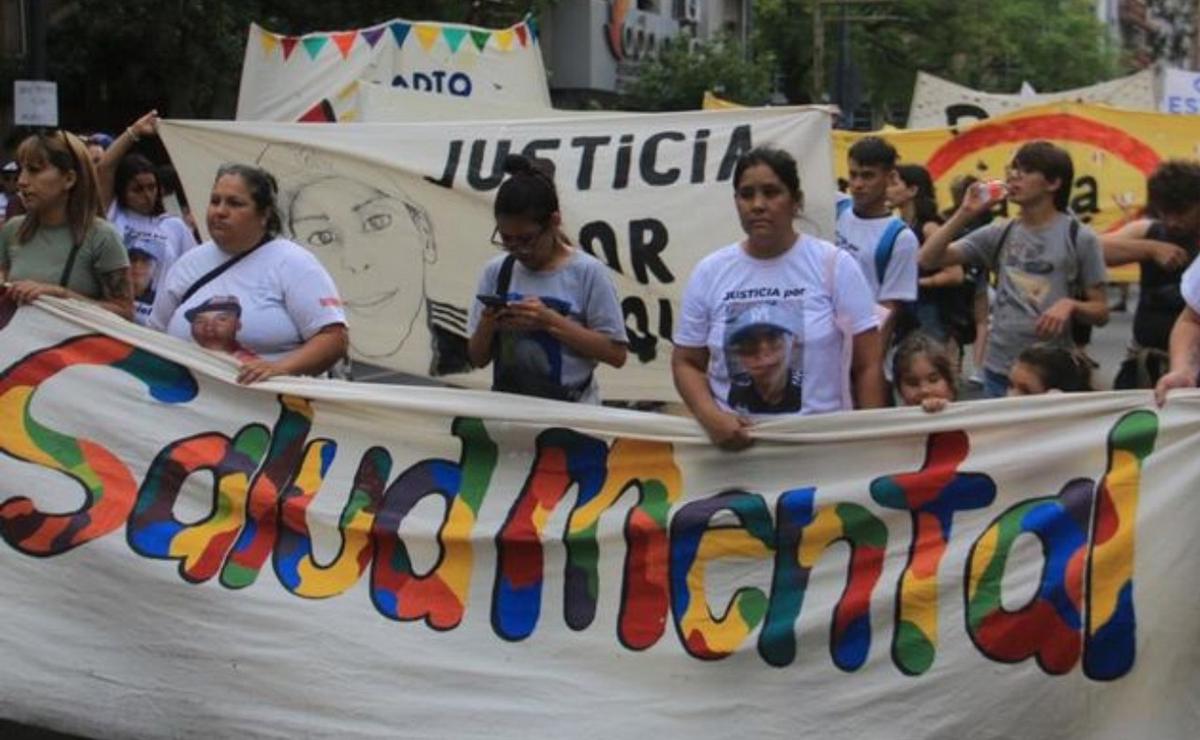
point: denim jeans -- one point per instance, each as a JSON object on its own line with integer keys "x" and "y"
{"x": 995, "y": 385}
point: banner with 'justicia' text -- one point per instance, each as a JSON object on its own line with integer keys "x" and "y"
{"x": 185, "y": 556}
{"x": 401, "y": 215}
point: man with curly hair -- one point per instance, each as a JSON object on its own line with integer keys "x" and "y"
{"x": 1164, "y": 243}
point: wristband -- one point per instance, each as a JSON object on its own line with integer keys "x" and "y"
{"x": 133, "y": 134}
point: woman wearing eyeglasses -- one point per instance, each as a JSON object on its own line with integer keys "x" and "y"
{"x": 62, "y": 246}
{"x": 546, "y": 312}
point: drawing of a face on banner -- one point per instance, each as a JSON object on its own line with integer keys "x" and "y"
{"x": 765, "y": 357}
{"x": 375, "y": 241}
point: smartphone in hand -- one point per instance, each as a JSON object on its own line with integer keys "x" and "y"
{"x": 491, "y": 300}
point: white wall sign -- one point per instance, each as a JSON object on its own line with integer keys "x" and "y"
{"x": 35, "y": 103}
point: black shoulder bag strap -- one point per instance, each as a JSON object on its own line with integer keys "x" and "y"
{"x": 216, "y": 272}
{"x": 66, "y": 273}
{"x": 504, "y": 278}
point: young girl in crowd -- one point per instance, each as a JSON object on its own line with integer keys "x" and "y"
{"x": 924, "y": 373}
{"x": 1042, "y": 368}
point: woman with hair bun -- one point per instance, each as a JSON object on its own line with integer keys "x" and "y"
{"x": 546, "y": 313}
{"x": 62, "y": 246}
{"x": 279, "y": 309}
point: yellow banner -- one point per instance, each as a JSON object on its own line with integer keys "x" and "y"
{"x": 1114, "y": 151}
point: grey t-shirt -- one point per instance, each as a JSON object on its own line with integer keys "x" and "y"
{"x": 44, "y": 257}
{"x": 1035, "y": 268}
{"x": 537, "y": 363}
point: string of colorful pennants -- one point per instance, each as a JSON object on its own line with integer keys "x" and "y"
{"x": 427, "y": 34}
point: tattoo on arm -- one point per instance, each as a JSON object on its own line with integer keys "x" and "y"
{"x": 116, "y": 285}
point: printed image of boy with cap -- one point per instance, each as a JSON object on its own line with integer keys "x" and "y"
{"x": 765, "y": 375}
{"x": 142, "y": 264}
{"x": 215, "y": 324}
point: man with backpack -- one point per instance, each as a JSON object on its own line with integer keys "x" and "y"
{"x": 880, "y": 242}
{"x": 1049, "y": 267}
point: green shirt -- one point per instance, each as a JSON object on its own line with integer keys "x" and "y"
{"x": 44, "y": 257}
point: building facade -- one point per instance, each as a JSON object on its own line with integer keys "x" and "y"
{"x": 593, "y": 48}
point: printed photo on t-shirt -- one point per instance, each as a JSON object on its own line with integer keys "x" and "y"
{"x": 764, "y": 354}
{"x": 215, "y": 324}
{"x": 531, "y": 362}
{"x": 146, "y": 252}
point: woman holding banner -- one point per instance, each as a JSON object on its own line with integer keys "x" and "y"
{"x": 133, "y": 201}
{"x": 62, "y": 246}
{"x": 778, "y": 322}
{"x": 249, "y": 292}
{"x": 547, "y": 313}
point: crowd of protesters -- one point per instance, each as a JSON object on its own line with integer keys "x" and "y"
{"x": 776, "y": 323}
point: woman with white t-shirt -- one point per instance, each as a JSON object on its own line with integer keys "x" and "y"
{"x": 764, "y": 320}
{"x": 249, "y": 293}
{"x": 132, "y": 198}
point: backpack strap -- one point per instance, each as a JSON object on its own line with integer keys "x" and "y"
{"x": 1008, "y": 227}
{"x": 831, "y": 257}
{"x": 887, "y": 245}
{"x": 1072, "y": 245}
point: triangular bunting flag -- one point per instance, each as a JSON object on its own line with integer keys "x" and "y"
{"x": 533, "y": 28}
{"x": 322, "y": 112}
{"x": 427, "y": 35}
{"x": 454, "y": 37}
{"x": 289, "y": 45}
{"x": 480, "y": 39}
{"x": 504, "y": 39}
{"x": 269, "y": 42}
{"x": 400, "y": 31}
{"x": 345, "y": 42}
{"x": 522, "y": 35}
{"x": 314, "y": 44}
{"x": 372, "y": 35}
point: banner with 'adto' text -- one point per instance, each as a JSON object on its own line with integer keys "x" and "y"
{"x": 315, "y": 77}
{"x": 183, "y": 555}
{"x": 401, "y": 214}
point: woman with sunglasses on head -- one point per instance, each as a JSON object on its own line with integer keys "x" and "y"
{"x": 133, "y": 201}
{"x": 62, "y": 246}
{"x": 546, "y": 312}
{"x": 250, "y": 293}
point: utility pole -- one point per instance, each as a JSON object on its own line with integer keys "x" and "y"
{"x": 36, "y": 15}
{"x": 1196, "y": 37}
{"x": 818, "y": 63}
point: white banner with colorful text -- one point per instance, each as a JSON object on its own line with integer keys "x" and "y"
{"x": 401, "y": 214}
{"x": 315, "y": 77}
{"x": 319, "y": 558}
{"x": 937, "y": 102}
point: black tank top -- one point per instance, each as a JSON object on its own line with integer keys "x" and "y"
{"x": 1160, "y": 300}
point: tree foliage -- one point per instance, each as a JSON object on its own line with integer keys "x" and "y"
{"x": 987, "y": 44}
{"x": 115, "y": 60}
{"x": 1175, "y": 27}
{"x": 677, "y": 78}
